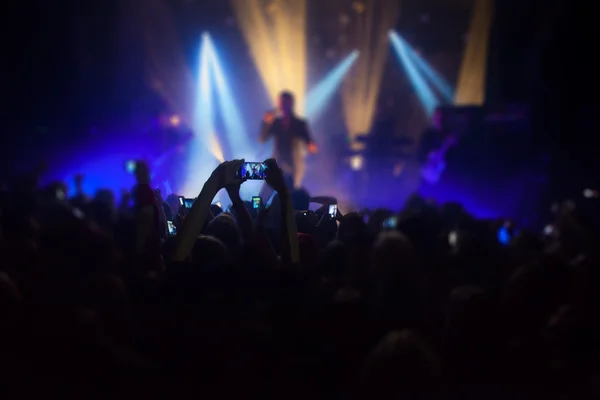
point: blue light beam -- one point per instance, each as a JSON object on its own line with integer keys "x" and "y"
{"x": 437, "y": 80}
{"x": 318, "y": 97}
{"x": 237, "y": 135}
{"x": 201, "y": 161}
{"x": 424, "y": 92}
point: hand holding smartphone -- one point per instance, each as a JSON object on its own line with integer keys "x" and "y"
{"x": 257, "y": 203}
{"x": 333, "y": 210}
{"x": 172, "y": 228}
{"x": 253, "y": 171}
{"x": 390, "y": 223}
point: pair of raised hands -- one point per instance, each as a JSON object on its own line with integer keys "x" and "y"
{"x": 226, "y": 175}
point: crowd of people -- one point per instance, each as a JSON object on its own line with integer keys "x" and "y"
{"x": 98, "y": 300}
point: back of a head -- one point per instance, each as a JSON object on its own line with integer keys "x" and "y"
{"x": 352, "y": 228}
{"x": 402, "y": 364}
{"x": 394, "y": 254}
{"x": 469, "y": 309}
{"x": 224, "y": 227}
{"x": 209, "y": 253}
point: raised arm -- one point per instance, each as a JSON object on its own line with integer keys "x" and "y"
{"x": 290, "y": 253}
{"x": 223, "y": 176}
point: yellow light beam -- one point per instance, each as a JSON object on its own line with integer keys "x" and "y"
{"x": 277, "y": 40}
{"x": 471, "y": 79}
{"x": 360, "y": 92}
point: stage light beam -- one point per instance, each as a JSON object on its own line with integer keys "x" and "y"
{"x": 436, "y": 79}
{"x": 368, "y": 32}
{"x": 422, "y": 89}
{"x": 277, "y": 41}
{"x": 471, "y": 79}
{"x": 318, "y": 97}
{"x": 204, "y": 149}
{"x": 237, "y": 135}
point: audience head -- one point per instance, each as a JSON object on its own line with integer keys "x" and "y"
{"x": 224, "y": 228}
{"x": 402, "y": 365}
{"x": 352, "y": 228}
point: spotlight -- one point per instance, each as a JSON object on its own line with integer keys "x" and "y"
{"x": 174, "y": 120}
{"x": 423, "y": 91}
{"x": 237, "y": 136}
{"x": 470, "y": 89}
{"x": 318, "y": 97}
{"x": 360, "y": 94}
{"x": 277, "y": 41}
{"x": 205, "y": 150}
{"x": 437, "y": 80}
{"x": 356, "y": 162}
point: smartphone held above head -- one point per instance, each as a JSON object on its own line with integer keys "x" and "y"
{"x": 253, "y": 171}
{"x": 130, "y": 166}
{"x": 390, "y": 223}
{"x": 186, "y": 203}
{"x": 256, "y": 202}
{"x": 172, "y": 229}
{"x": 333, "y": 209}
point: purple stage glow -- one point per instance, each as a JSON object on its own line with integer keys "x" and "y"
{"x": 102, "y": 161}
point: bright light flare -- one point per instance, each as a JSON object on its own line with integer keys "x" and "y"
{"x": 276, "y": 36}
{"x": 174, "y": 120}
{"x": 318, "y": 97}
{"x": 422, "y": 89}
{"x": 356, "y": 163}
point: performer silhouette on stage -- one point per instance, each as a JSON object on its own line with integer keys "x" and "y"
{"x": 290, "y": 134}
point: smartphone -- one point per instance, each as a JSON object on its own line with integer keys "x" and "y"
{"x": 181, "y": 201}
{"x": 188, "y": 203}
{"x": 253, "y": 171}
{"x": 453, "y": 238}
{"x": 333, "y": 209}
{"x": 130, "y": 166}
{"x": 172, "y": 228}
{"x": 256, "y": 202}
{"x": 503, "y": 235}
{"x": 390, "y": 223}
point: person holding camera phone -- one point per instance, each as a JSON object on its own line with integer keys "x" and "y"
{"x": 227, "y": 176}
{"x": 290, "y": 133}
